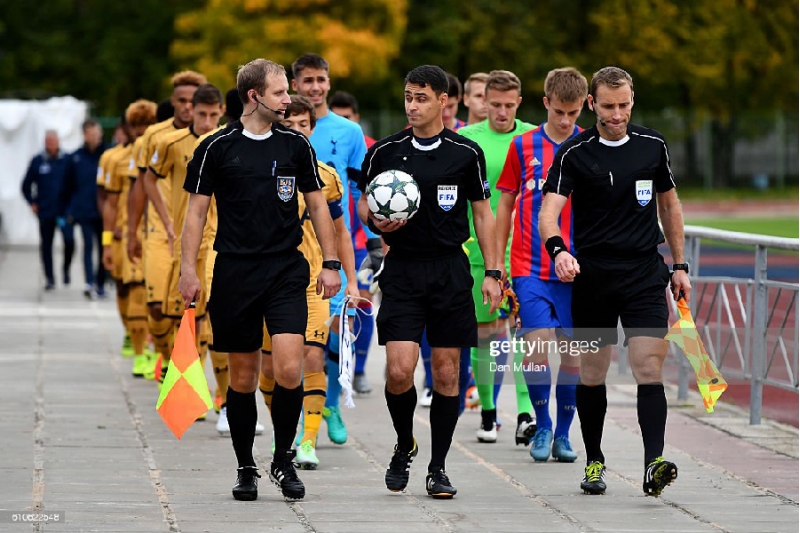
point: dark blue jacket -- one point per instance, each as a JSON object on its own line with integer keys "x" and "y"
{"x": 47, "y": 174}
{"x": 79, "y": 194}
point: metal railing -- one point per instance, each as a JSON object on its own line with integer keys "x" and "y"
{"x": 748, "y": 325}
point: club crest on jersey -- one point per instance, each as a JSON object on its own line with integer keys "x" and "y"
{"x": 644, "y": 192}
{"x": 154, "y": 159}
{"x": 447, "y": 196}
{"x": 286, "y": 188}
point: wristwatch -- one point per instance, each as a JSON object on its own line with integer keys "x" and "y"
{"x": 681, "y": 266}
{"x": 493, "y": 274}
{"x": 332, "y": 264}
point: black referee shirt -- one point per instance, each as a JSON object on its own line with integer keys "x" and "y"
{"x": 255, "y": 179}
{"x": 450, "y": 172}
{"x": 613, "y": 186}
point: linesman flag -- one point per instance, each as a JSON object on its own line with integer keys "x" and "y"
{"x": 710, "y": 382}
{"x": 184, "y": 393}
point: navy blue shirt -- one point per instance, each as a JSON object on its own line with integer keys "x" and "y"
{"x": 47, "y": 174}
{"x": 79, "y": 194}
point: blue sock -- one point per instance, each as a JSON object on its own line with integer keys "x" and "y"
{"x": 501, "y": 361}
{"x": 364, "y": 339}
{"x": 539, "y": 390}
{"x": 464, "y": 377}
{"x": 565, "y": 399}
{"x": 334, "y": 388}
{"x": 425, "y": 352}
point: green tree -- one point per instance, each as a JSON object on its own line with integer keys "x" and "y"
{"x": 108, "y": 53}
{"x": 358, "y": 38}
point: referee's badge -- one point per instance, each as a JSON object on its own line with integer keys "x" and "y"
{"x": 286, "y": 188}
{"x": 448, "y": 194}
{"x": 644, "y": 191}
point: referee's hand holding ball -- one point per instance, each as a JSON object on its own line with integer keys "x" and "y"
{"x": 328, "y": 283}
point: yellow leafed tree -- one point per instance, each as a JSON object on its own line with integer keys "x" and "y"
{"x": 359, "y": 38}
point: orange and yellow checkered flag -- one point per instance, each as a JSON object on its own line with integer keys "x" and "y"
{"x": 710, "y": 382}
{"x": 184, "y": 393}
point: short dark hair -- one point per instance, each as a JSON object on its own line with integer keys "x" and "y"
{"x": 233, "y": 105}
{"x": 309, "y": 61}
{"x": 425, "y": 75}
{"x": 612, "y": 77}
{"x": 90, "y": 123}
{"x": 344, "y": 99}
{"x": 165, "y": 110}
{"x": 453, "y": 86}
{"x": 207, "y": 93}
{"x": 299, "y": 106}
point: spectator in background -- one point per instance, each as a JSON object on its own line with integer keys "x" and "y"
{"x": 42, "y": 189}
{"x": 79, "y": 194}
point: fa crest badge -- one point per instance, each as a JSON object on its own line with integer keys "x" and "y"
{"x": 447, "y": 196}
{"x": 644, "y": 191}
{"x": 286, "y": 188}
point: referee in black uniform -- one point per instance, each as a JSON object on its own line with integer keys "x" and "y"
{"x": 255, "y": 168}
{"x": 621, "y": 182}
{"x": 426, "y": 281}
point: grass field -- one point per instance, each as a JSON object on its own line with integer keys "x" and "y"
{"x": 779, "y": 226}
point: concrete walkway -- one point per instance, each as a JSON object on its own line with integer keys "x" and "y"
{"x": 80, "y": 436}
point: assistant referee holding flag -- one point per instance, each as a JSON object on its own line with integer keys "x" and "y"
{"x": 621, "y": 182}
{"x": 255, "y": 168}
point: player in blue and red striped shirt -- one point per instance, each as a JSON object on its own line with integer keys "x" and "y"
{"x": 544, "y": 300}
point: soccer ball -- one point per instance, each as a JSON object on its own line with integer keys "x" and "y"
{"x": 393, "y": 195}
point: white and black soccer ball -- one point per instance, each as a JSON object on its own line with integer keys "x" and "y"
{"x": 393, "y": 195}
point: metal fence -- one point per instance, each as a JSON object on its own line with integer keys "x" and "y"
{"x": 748, "y": 325}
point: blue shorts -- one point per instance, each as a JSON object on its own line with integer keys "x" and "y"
{"x": 544, "y": 304}
{"x": 361, "y": 254}
{"x": 336, "y": 301}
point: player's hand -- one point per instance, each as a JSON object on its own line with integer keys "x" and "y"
{"x": 117, "y": 231}
{"x": 108, "y": 258}
{"x": 492, "y": 293}
{"x": 328, "y": 283}
{"x": 567, "y": 267}
{"x": 386, "y": 226}
{"x": 189, "y": 287}
{"x": 134, "y": 248}
{"x": 679, "y": 283}
{"x": 503, "y": 275}
{"x": 351, "y": 289}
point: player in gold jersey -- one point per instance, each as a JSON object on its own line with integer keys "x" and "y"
{"x": 176, "y": 149}
{"x": 139, "y": 116}
{"x": 156, "y": 256}
{"x": 300, "y": 116}
{"x": 114, "y": 238}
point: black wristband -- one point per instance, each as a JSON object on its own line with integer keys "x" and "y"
{"x": 495, "y": 274}
{"x": 374, "y": 244}
{"x": 554, "y": 246}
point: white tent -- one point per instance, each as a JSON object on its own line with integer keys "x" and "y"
{"x": 22, "y": 127}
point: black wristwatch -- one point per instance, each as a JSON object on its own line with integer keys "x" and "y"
{"x": 332, "y": 264}
{"x": 681, "y": 266}
{"x": 496, "y": 274}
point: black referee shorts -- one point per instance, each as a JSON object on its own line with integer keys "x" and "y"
{"x": 246, "y": 291}
{"x": 629, "y": 291}
{"x": 434, "y": 294}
